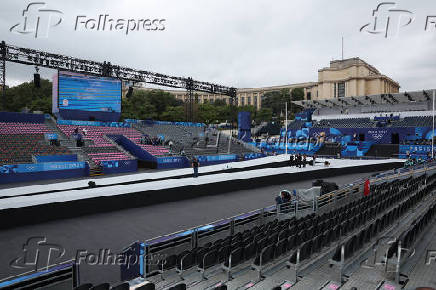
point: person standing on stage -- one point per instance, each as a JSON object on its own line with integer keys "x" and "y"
{"x": 298, "y": 160}
{"x": 313, "y": 159}
{"x": 291, "y": 160}
{"x": 304, "y": 160}
{"x": 195, "y": 165}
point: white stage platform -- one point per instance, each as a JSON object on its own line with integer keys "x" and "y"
{"x": 20, "y": 197}
{"x": 139, "y": 176}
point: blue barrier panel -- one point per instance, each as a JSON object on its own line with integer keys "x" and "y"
{"x": 216, "y": 159}
{"x": 249, "y": 156}
{"x": 119, "y": 166}
{"x": 133, "y": 148}
{"x": 151, "y": 122}
{"x": 417, "y": 149}
{"x": 21, "y": 117}
{"x": 134, "y": 121}
{"x": 93, "y": 123}
{"x": 133, "y": 258}
{"x": 39, "y": 171}
{"x": 244, "y": 126}
{"x": 17, "y": 281}
{"x": 89, "y": 115}
{"x": 386, "y": 118}
{"x": 36, "y": 167}
{"x": 375, "y": 135}
{"x": 356, "y": 148}
{"x": 55, "y": 158}
{"x": 172, "y": 162}
{"x": 51, "y": 136}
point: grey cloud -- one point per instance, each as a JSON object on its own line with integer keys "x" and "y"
{"x": 246, "y": 43}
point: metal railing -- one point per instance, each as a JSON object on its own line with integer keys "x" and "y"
{"x": 197, "y": 236}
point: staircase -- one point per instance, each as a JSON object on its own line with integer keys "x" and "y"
{"x": 71, "y": 145}
{"x": 119, "y": 147}
{"x": 383, "y": 150}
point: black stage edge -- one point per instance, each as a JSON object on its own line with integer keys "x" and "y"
{"x": 266, "y": 165}
{"x": 15, "y": 217}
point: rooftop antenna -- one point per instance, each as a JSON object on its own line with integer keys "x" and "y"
{"x": 342, "y": 48}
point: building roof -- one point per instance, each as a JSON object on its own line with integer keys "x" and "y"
{"x": 405, "y": 97}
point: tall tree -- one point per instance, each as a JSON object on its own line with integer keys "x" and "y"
{"x": 276, "y": 102}
{"x": 27, "y": 97}
{"x": 297, "y": 94}
{"x": 149, "y": 104}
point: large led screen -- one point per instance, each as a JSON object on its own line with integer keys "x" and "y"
{"x": 88, "y": 93}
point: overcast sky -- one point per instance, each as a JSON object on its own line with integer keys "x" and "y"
{"x": 250, "y": 43}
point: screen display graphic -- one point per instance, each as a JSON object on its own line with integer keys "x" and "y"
{"x": 89, "y": 93}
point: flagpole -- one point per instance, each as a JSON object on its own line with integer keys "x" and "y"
{"x": 286, "y": 129}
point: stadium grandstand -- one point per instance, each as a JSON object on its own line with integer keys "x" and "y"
{"x": 377, "y": 126}
{"x": 372, "y": 233}
{"x": 343, "y": 196}
{"x": 98, "y": 143}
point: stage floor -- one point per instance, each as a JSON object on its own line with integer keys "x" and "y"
{"x": 19, "y": 197}
{"x": 149, "y": 175}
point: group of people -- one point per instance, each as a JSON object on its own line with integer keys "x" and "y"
{"x": 300, "y": 160}
{"x": 415, "y": 161}
{"x": 79, "y": 136}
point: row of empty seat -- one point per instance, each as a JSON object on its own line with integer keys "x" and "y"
{"x": 345, "y": 123}
{"x": 19, "y": 141}
{"x": 418, "y": 121}
{"x": 408, "y": 197}
{"x": 409, "y": 237}
{"x": 301, "y": 238}
{"x": 10, "y": 128}
{"x": 99, "y": 147}
{"x": 147, "y": 286}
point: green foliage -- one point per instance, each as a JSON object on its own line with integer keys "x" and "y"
{"x": 151, "y": 104}
{"x": 263, "y": 115}
{"x": 219, "y": 102}
{"x": 144, "y": 104}
{"x": 208, "y": 113}
{"x": 26, "y": 96}
{"x": 276, "y": 100}
{"x": 174, "y": 114}
{"x": 297, "y": 94}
